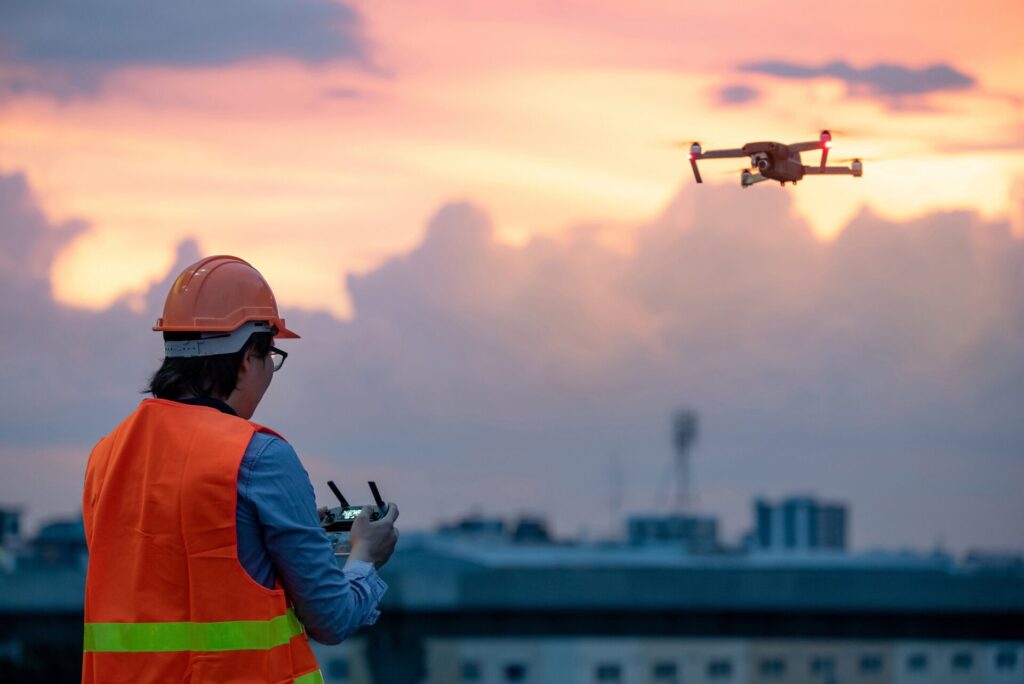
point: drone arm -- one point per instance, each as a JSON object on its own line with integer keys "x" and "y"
{"x": 813, "y": 146}
{"x": 805, "y": 146}
{"x": 696, "y": 153}
{"x": 830, "y": 171}
{"x": 722, "y": 154}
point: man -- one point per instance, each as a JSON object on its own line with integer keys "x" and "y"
{"x": 207, "y": 561}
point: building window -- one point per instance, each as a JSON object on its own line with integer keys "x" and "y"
{"x": 665, "y": 673}
{"x": 773, "y": 667}
{"x": 515, "y": 672}
{"x": 871, "y": 664}
{"x": 608, "y": 672}
{"x": 337, "y": 670}
{"x": 823, "y": 667}
{"x": 962, "y": 662}
{"x": 720, "y": 669}
{"x": 1006, "y": 660}
{"x": 917, "y": 662}
{"x": 471, "y": 671}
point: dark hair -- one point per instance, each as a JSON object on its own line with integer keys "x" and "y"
{"x": 204, "y": 376}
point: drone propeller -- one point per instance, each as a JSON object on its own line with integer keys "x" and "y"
{"x": 843, "y": 132}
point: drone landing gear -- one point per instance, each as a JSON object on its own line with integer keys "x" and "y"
{"x": 747, "y": 179}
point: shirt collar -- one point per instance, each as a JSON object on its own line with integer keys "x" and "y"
{"x": 209, "y": 402}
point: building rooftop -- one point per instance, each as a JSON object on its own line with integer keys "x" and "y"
{"x": 442, "y": 573}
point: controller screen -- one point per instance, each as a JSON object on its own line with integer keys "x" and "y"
{"x": 350, "y": 513}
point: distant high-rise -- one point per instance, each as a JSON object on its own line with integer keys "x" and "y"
{"x": 799, "y": 524}
{"x": 10, "y": 537}
{"x": 10, "y": 526}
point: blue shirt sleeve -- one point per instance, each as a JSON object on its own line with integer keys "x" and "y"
{"x": 279, "y": 537}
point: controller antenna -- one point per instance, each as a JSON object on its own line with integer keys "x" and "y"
{"x": 337, "y": 493}
{"x": 376, "y": 496}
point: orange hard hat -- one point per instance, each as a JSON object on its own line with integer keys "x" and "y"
{"x": 220, "y": 294}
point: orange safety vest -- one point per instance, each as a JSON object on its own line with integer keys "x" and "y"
{"x": 166, "y": 599}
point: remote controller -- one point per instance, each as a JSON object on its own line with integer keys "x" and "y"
{"x": 337, "y": 522}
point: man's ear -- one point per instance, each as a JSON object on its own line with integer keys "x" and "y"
{"x": 246, "y": 366}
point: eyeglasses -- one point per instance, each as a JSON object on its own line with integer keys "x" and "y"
{"x": 277, "y": 357}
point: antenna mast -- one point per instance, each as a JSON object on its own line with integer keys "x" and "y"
{"x": 684, "y": 435}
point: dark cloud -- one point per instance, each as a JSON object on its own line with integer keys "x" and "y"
{"x": 67, "y": 46}
{"x": 28, "y": 241}
{"x": 737, "y": 95}
{"x": 891, "y": 82}
{"x": 884, "y": 368}
{"x": 73, "y": 365}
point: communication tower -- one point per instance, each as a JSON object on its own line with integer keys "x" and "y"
{"x": 684, "y": 435}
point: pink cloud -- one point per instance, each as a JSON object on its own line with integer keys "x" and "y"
{"x": 859, "y": 368}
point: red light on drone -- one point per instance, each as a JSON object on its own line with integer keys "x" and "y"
{"x": 827, "y": 144}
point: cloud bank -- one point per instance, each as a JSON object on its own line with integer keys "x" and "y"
{"x": 884, "y": 368}
{"x": 68, "y": 47}
{"x": 890, "y": 82}
{"x": 737, "y": 95}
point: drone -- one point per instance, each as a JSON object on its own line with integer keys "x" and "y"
{"x": 776, "y": 161}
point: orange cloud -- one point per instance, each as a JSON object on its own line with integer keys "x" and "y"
{"x": 549, "y": 114}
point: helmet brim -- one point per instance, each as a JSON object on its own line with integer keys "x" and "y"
{"x": 285, "y": 333}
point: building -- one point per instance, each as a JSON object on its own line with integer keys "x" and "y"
{"x": 481, "y": 608}
{"x": 799, "y": 524}
{"x": 62, "y": 542}
{"x": 462, "y": 611}
{"x": 10, "y": 537}
{"x": 694, "y": 533}
{"x": 10, "y": 525}
{"x": 525, "y": 530}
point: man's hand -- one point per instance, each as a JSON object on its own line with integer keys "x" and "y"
{"x": 374, "y": 541}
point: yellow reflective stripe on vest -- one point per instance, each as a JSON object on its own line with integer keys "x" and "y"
{"x": 153, "y": 637}
{"x": 311, "y": 678}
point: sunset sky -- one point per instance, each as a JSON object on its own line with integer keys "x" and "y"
{"x": 357, "y": 151}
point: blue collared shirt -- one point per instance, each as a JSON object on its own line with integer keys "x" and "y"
{"x": 280, "y": 538}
